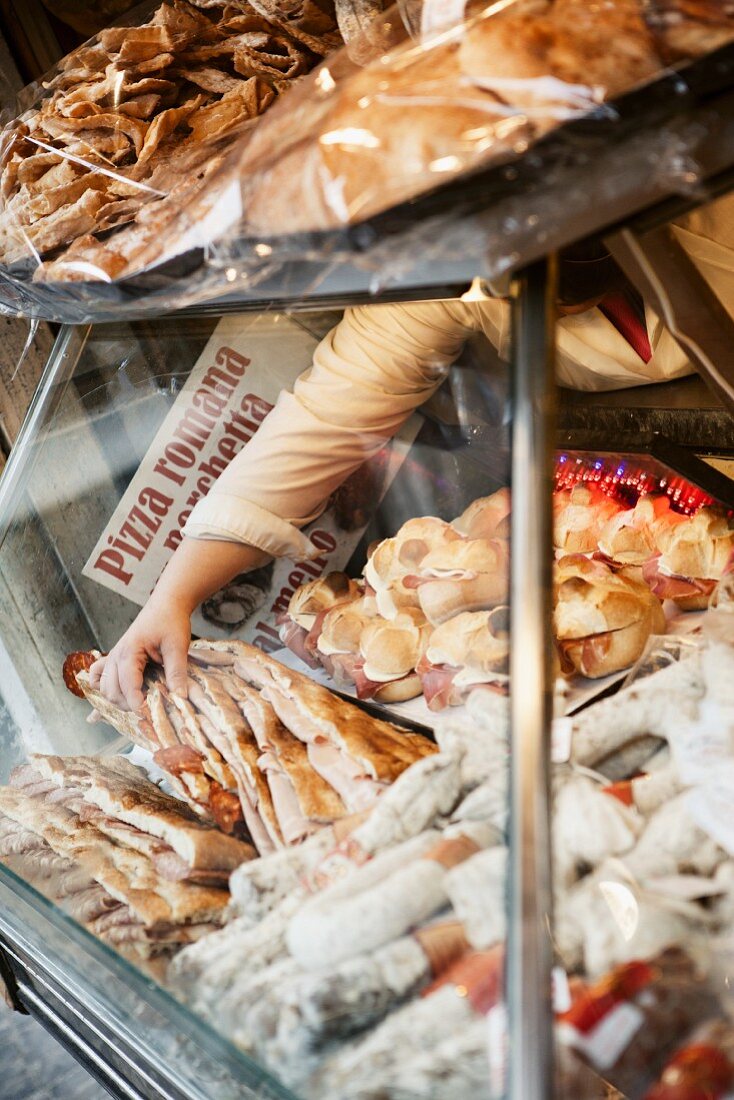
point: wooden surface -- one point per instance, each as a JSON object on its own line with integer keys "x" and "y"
{"x": 23, "y": 355}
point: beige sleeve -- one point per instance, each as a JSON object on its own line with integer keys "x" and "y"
{"x": 368, "y": 375}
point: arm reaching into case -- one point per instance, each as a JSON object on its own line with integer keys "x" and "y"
{"x": 368, "y": 375}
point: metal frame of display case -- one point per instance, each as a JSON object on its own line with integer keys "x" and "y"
{"x": 130, "y": 1068}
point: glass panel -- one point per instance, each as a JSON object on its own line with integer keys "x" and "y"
{"x": 361, "y": 956}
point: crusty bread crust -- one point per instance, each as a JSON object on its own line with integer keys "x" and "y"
{"x": 125, "y": 874}
{"x": 124, "y": 792}
{"x": 603, "y": 654}
{"x": 384, "y": 750}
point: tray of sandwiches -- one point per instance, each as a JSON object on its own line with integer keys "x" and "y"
{"x": 168, "y": 157}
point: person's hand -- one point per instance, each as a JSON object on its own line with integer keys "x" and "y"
{"x": 161, "y": 633}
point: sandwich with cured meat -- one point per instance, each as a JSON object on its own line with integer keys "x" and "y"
{"x": 337, "y": 645}
{"x": 486, "y": 518}
{"x": 394, "y": 559}
{"x": 580, "y": 515}
{"x": 693, "y": 556}
{"x": 602, "y": 618}
{"x": 168, "y": 726}
{"x": 118, "y": 799}
{"x": 356, "y": 754}
{"x": 468, "y": 651}
{"x": 139, "y": 894}
{"x": 389, "y": 653}
{"x": 302, "y": 800}
{"x": 630, "y": 537}
{"x": 300, "y": 625}
{"x": 470, "y": 575}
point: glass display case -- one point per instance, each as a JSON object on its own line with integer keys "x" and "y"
{"x": 446, "y": 809}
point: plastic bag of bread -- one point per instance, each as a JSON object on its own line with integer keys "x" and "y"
{"x": 468, "y": 92}
{"x": 118, "y": 158}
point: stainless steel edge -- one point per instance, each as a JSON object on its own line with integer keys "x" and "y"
{"x": 529, "y": 951}
{"x": 56, "y": 375}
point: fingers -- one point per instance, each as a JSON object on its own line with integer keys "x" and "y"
{"x": 96, "y": 670}
{"x": 109, "y": 683}
{"x": 130, "y": 669}
{"x": 175, "y": 654}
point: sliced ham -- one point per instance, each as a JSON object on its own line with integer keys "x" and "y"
{"x": 293, "y": 825}
{"x": 89, "y": 904}
{"x": 17, "y": 841}
{"x": 356, "y": 790}
{"x": 171, "y": 866}
{"x": 295, "y": 637}
{"x": 675, "y": 587}
{"x": 438, "y": 685}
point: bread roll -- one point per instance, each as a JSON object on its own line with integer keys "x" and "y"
{"x": 700, "y": 546}
{"x": 471, "y": 575}
{"x": 602, "y": 619}
{"x": 395, "y": 558}
{"x": 392, "y": 649}
{"x": 580, "y": 516}
{"x": 486, "y": 518}
{"x": 630, "y": 537}
{"x": 308, "y": 601}
{"x": 475, "y": 640}
{"x": 343, "y": 625}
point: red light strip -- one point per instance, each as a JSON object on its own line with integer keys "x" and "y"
{"x": 627, "y": 483}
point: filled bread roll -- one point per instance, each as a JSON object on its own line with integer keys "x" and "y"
{"x": 471, "y": 575}
{"x": 301, "y": 624}
{"x": 315, "y": 597}
{"x": 602, "y": 619}
{"x": 694, "y": 554}
{"x": 391, "y": 650}
{"x": 580, "y": 516}
{"x": 468, "y": 650}
{"x": 486, "y": 518}
{"x": 630, "y": 537}
{"x": 395, "y": 558}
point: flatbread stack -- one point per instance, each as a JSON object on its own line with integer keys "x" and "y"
{"x": 133, "y": 128}
{"x": 262, "y": 751}
{"x": 126, "y": 860}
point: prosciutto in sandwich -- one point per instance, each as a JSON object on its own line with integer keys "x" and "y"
{"x": 470, "y": 650}
{"x": 301, "y": 624}
{"x": 602, "y": 618}
{"x": 470, "y": 575}
{"x": 358, "y": 755}
{"x": 389, "y": 652}
{"x": 693, "y": 556}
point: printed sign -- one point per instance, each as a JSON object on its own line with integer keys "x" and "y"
{"x": 233, "y": 386}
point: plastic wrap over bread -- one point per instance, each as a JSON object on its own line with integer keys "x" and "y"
{"x": 119, "y": 158}
{"x": 476, "y": 85}
{"x": 170, "y": 158}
